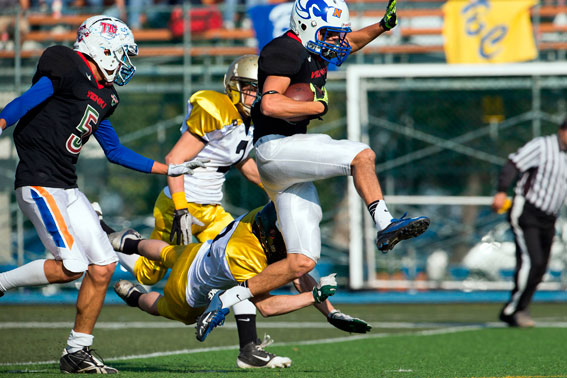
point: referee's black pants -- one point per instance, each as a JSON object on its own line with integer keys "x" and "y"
{"x": 533, "y": 231}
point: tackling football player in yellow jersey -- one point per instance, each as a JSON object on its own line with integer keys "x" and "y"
{"x": 242, "y": 250}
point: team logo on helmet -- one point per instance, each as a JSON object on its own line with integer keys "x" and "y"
{"x": 318, "y": 8}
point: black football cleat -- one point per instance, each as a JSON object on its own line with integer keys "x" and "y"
{"x": 83, "y": 361}
{"x": 253, "y": 355}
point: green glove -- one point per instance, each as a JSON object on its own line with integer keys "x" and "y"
{"x": 326, "y": 288}
{"x": 347, "y": 323}
{"x": 390, "y": 19}
{"x": 320, "y": 94}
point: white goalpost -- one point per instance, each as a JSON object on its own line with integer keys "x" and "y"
{"x": 362, "y": 80}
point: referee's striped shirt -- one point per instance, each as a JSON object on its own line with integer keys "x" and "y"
{"x": 544, "y": 173}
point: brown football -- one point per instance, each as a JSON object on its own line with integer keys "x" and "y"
{"x": 299, "y": 92}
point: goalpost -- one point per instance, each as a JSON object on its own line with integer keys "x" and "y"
{"x": 536, "y": 89}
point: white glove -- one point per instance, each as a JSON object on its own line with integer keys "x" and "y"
{"x": 1, "y": 129}
{"x": 175, "y": 170}
{"x": 327, "y": 287}
{"x": 181, "y": 226}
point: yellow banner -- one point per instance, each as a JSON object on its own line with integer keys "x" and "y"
{"x": 488, "y": 31}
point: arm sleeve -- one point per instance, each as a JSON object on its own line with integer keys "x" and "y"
{"x": 528, "y": 156}
{"x": 118, "y": 154}
{"x": 508, "y": 175}
{"x": 38, "y": 93}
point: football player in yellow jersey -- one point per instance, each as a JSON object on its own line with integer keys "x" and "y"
{"x": 243, "y": 249}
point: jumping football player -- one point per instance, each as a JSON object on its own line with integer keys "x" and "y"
{"x": 243, "y": 249}
{"x": 289, "y": 159}
{"x": 71, "y": 98}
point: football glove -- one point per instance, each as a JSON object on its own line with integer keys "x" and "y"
{"x": 175, "y": 170}
{"x": 347, "y": 323}
{"x": 327, "y": 287}
{"x": 390, "y": 19}
{"x": 321, "y": 95}
{"x": 181, "y": 227}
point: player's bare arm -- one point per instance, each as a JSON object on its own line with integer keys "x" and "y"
{"x": 186, "y": 148}
{"x": 279, "y": 106}
{"x": 249, "y": 169}
{"x": 360, "y": 38}
{"x": 273, "y": 305}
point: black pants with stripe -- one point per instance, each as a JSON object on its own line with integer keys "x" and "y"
{"x": 533, "y": 231}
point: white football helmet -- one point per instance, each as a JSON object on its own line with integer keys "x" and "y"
{"x": 242, "y": 72}
{"x": 110, "y": 43}
{"x": 316, "y": 20}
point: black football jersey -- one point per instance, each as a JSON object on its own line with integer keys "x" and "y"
{"x": 50, "y": 136}
{"x": 286, "y": 56}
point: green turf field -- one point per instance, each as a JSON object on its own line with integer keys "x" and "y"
{"x": 457, "y": 340}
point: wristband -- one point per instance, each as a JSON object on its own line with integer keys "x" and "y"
{"x": 179, "y": 200}
{"x": 326, "y": 108}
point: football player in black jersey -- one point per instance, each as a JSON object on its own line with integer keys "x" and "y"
{"x": 71, "y": 98}
{"x": 289, "y": 160}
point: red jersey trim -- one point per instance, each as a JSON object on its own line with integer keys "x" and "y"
{"x": 293, "y": 35}
{"x": 100, "y": 86}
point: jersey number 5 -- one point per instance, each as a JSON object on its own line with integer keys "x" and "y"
{"x": 85, "y": 127}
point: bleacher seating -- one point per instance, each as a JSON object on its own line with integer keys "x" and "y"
{"x": 231, "y": 42}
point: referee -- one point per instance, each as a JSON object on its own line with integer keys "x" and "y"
{"x": 538, "y": 197}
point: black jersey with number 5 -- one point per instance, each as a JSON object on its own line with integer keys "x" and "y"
{"x": 50, "y": 136}
{"x": 286, "y": 56}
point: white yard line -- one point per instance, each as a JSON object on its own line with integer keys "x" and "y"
{"x": 302, "y": 325}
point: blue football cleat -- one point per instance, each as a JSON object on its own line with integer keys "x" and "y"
{"x": 400, "y": 229}
{"x": 213, "y": 316}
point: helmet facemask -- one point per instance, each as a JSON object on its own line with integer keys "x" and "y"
{"x": 127, "y": 69}
{"x": 331, "y": 44}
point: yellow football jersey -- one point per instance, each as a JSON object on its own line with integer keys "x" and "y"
{"x": 213, "y": 118}
{"x": 234, "y": 256}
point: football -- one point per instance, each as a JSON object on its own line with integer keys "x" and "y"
{"x": 299, "y": 92}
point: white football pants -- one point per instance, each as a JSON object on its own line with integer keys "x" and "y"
{"x": 287, "y": 167}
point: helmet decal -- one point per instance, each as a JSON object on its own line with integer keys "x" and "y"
{"x": 319, "y": 8}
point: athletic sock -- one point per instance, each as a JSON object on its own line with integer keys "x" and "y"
{"x": 380, "y": 214}
{"x": 131, "y": 246}
{"x": 133, "y": 299}
{"x": 78, "y": 341}
{"x": 234, "y": 295}
{"x": 246, "y": 325}
{"x": 30, "y": 274}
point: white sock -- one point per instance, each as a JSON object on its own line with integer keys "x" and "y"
{"x": 30, "y": 274}
{"x": 128, "y": 261}
{"x": 78, "y": 341}
{"x": 382, "y": 216}
{"x": 235, "y": 295}
{"x": 244, "y": 308}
